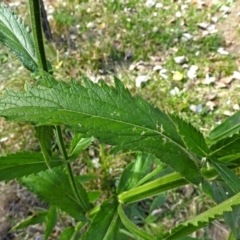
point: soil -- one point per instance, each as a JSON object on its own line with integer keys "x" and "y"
{"x": 16, "y": 203}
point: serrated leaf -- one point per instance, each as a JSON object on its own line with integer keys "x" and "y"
{"x": 226, "y": 146}
{"x": 36, "y": 218}
{"x": 22, "y": 164}
{"x": 134, "y": 172}
{"x": 220, "y": 191}
{"x": 192, "y": 138}
{"x": 202, "y": 219}
{"x": 16, "y": 36}
{"x": 105, "y": 225}
{"x": 53, "y": 186}
{"x": 51, "y": 220}
{"x": 110, "y": 114}
{"x": 229, "y": 177}
{"x": 45, "y": 136}
{"x": 141, "y": 234}
{"x": 228, "y": 128}
{"x": 78, "y": 144}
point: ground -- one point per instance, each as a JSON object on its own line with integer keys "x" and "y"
{"x": 15, "y": 202}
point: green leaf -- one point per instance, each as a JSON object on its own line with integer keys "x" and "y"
{"x": 51, "y": 220}
{"x": 110, "y": 114}
{"x": 226, "y": 129}
{"x": 86, "y": 178}
{"x": 78, "y": 144}
{"x": 106, "y": 224}
{"x": 158, "y": 201}
{"x": 73, "y": 233}
{"x": 203, "y": 219}
{"x": 17, "y": 37}
{"x": 93, "y": 196}
{"x": 220, "y": 191}
{"x": 229, "y": 177}
{"x": 132, "y": 227}
{"x": 226, "y": 146}
{"x": 134, "y": 172}
{"x": 53, "y": 186}
{"x": 67, "y": 234}
{"x": 36, "y": 218}
{"x": 22, "y": 164}
{"x": 45, "y": 137}
{"x": 192, "y": 138}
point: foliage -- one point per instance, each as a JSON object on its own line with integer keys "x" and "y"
{"x": 171, "y": 151}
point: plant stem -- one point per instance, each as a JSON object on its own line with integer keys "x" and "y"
{"x": 37, "y": 34}
{"x": 42, "y": 63}
{"x": 152, "y": 188}
{"x": 72, "y": 182}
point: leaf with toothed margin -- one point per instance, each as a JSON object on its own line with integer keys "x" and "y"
{"x": 192, "y": 138}
{"x": 202, "y": 219}
{"x": 52, "y": 186}
{"x": 16, "y": 36}
{"x": 227, "y": 129}
{"x": 22, "y": 164}
{"x": 110, "y": 114}
{"x": 226, "y": 146}
{"x": 106, "y": 224}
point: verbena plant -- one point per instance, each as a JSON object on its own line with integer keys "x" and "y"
{"x": 112, "y": 115}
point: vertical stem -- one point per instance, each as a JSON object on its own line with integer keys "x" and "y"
{"x": 72, "y": 182}
{"x": 37, "y": 33}
{"x": 42, "y": 63}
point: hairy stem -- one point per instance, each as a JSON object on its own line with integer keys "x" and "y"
{"x": 37, "y": 33}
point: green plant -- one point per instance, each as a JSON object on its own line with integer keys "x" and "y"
{"x": 172, "y": 153}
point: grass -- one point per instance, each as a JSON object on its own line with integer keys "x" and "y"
{"x": 127, "y": 39}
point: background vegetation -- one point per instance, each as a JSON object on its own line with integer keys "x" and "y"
{"x": 170, "y": 52}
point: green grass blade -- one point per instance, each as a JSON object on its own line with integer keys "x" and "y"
{"x": 110, "y": 114}
{"x": 22, "y": 164}
{"x": 17, "y": 37}
{"x": 52, "y": 186}
{"x": 203, "y": 219}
